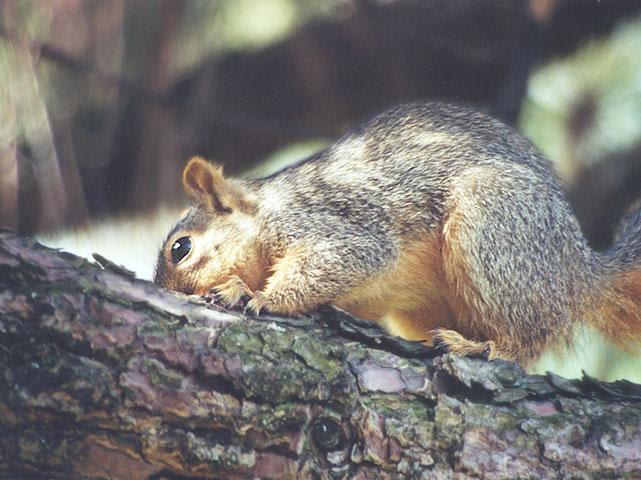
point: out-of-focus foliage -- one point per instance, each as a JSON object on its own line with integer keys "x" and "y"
{"x": 239, "y": 25}
{"x": 591, "y": 353}
{"x": 582, "y": 109}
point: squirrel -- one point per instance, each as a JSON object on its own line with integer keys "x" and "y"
{"x": 438, "y": 222}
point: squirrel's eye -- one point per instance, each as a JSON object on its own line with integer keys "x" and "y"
{"x": 180, "y": 249}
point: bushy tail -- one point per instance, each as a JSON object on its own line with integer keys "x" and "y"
{"x": 618, "y": 314}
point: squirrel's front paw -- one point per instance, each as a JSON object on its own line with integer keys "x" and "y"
{"x": 257, "y": 304}
{"x": 234, "y": 293}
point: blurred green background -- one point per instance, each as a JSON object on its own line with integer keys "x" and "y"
{"x": 102, "y": 102}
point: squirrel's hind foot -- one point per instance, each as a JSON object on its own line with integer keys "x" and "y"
{"x": 454, "y": 342}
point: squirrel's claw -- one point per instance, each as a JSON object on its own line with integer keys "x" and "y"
{"x": 213, "y": 297}
{"x": 243, "y": 301}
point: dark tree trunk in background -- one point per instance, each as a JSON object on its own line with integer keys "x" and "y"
{"x": 149, "y": 142}
{"x": 103, "y": 376}
{"x": 604, "y": 191}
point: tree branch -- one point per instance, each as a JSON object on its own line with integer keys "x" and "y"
{"x": 106, "y": 376}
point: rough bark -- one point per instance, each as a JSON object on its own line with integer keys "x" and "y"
{"x": 106, "y": 376}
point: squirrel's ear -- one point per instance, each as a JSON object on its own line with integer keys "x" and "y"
{"x": 205, "y": 183}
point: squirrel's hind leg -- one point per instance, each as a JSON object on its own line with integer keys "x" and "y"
{"x": 510, "y": 281}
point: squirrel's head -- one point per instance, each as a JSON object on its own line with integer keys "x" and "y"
{"x": 215, "y": 238}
